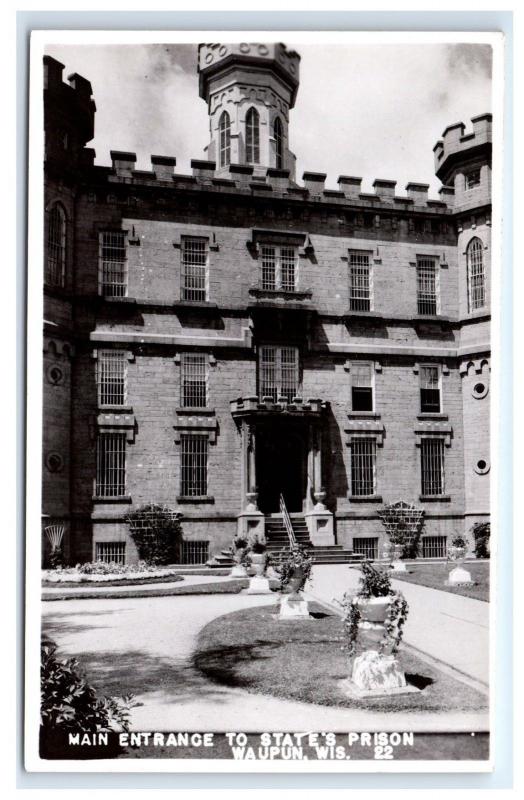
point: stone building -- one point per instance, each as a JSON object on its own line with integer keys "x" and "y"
{"x": 215, "y": 341}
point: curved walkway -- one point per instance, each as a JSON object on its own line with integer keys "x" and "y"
{"x": 126, "y": 645}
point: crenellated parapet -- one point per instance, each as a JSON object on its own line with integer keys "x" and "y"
{"x": 457, "y": 147}
{"x": 69, "y": 119}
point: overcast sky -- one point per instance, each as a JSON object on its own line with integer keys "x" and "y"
{"x": 369, "y": 110}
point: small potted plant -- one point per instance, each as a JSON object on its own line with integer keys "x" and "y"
{"x": 258, "y": 556}
{"x": 240, "y": 556}
{"x": 294, "y": 568}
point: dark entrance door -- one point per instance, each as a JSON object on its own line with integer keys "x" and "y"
{"x": 281, "y": 468}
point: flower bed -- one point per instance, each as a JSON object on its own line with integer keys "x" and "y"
{"x": 102, "y": 572}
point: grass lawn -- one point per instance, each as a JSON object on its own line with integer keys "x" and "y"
{"x": 304, "y": 661}
{"x": 223, "y": 587}
{"x": 116, "y": 582}
{"x": 435, "y": 575}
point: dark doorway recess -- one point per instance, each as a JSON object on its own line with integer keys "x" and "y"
{"x": 281, "y": 467}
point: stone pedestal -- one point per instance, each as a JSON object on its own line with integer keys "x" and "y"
{"x": 375, "y": 674}
{"x": 239, "y": 571}
{"x": 398, "y": 566}
{"x": 459, "y": 577}
{"x": 258, "y": 585}
{"x": 294, "y": 606}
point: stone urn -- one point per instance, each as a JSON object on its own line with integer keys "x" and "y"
{"x": 258, "y": 562}
{"x": 373, "y": 610}
{"x": 397, "y": 563}
{"x": 297, "y": 581}
{"x": 387, "y": 549}
{"x": 457, "y": 553}
{"x": 458, "y": 575}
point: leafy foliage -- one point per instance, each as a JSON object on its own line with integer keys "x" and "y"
{"x": 293, "y": 562}
{"x": 393, "y": 625}
{"x": 481, "y": 534}
{"x": 157, "y": 533}
{"x": 70, "y": 704}
{"x": 403, "y": 523}
{"x": 257, "y": 545}
{"x": 373, "y": 582}
{"x": 459, "y": 541}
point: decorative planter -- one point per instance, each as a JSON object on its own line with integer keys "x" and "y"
{"x": 457, "y": 553}
{"x": 387, "y": 549}
{"x": 373, "y": 609}
{"x": 397, "y": 564}
{"x": 458, "y": 576}
{"x": 297, "y": 581}
{"x": 258, "y": 562}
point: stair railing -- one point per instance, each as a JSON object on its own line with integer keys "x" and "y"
{"x": 287, "y": 522}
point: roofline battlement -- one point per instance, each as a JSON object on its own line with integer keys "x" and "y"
{"x": 239, "y": 178}
{"x": 457, "y": 146}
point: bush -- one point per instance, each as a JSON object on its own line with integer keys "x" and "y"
{"x": 481, "y": 533}
{"x": 157, "y": 534}
{"x": 70, "y": 705}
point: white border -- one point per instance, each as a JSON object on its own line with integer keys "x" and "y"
{"x": 39, "y": 39}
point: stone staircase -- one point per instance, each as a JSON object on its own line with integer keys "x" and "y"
{"x": 277, "y": 538}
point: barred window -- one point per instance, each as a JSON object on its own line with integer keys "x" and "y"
{"x": 194, "y": 268}
{"x": 225, "y": 139}
{"x": 279, "y": 268}
{"x": 366, "y": 546}
{"x": 56, "y": 247}
{"x": 195, "y": 552}
{"x": 252, "y": 136}
{"x": 472, "y": 179}
{"x": 110, "y": 552}
{"x": 279, "y": 143}
{"x": 278, "y": 372}
{"x": 429, "y": 390}
{"x": 361, "y": 386}
{"x": 427, "y": 294}
{"x": 111, "y": 465}
{"x": 434, "y": 546}
{"x": 194, "y": 450}
{"x": 363, "y": 466}
{"x": 113, "y": 264}
{"x": 359, "y": 281}
{"x": 193, "y": 383}
{"x": 432, "y": 466}
{"x": 476, "y": 279}
{"x": 112, "y": 377}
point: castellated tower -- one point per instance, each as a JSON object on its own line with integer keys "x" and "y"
{"x": 463, "y": 162}
{"x": 249, "y": 89}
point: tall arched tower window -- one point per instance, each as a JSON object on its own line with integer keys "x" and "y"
{"x": 279, "y": 144}
{"x": 56, "y": 247}
{"x": 253, "y": 136}
{"x": 225, "y": 139}
{"x": 476, "y": 277}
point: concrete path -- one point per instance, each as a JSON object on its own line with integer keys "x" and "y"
{"x": 448, "y": 627}
{"x": 126, "y": 643}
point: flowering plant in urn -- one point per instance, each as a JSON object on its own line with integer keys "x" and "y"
{"x": 294, "y": 568}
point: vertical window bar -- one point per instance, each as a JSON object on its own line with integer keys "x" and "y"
{"x": 288, "y": 260}
{"x": 427, "y": 296}
{"x": 194, "y": 450}
{"x": 269, "y": 268}
{"x": 434, "y": 546}
{"x": 289, "y": 372}
{"x": 193, "y": 382}
{"x": 56, "y": 247}
{"x": 112, "y": 377}
{"x": 194, "y": 268}
{"x": 195, "y": 552}
{"x": 268, "y": 372}
{"x": 432, "y": 466}
{"x": 111, "y": 465}
{"x": 476, "y": 278}
{"x": 363, "y": 466}
{"x": 366, "y": 546}
{"x": 113, "y": 264}
{"x": 359, "y": 281}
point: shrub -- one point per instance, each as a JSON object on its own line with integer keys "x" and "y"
{"x": 157, "y": 533}
{"x": 481, "y": 533}
{"x": 70, "y": 704}
{"x": 403, "y": 523}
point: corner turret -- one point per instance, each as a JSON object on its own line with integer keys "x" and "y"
{"x": 463, "y": 162}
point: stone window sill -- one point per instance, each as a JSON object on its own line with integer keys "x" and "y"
{"x": 358, "y": 498}
{"x": 432, "y": 415}
{"x": 434, "y": 498}
{"x": 363, "y": 414}
{"x": 198, "y": 499}
{"x": 195, "y": 411}
{"x": 123, "y": 498}
{"x": 115, "y": 409}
